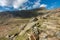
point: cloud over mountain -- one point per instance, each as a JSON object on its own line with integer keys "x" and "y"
{"x": 43, "y": 5}
{"x": 21, "y": 4}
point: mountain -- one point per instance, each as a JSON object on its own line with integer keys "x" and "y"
{"x": 35, "y": 24}
{"x": 23, "y": 13}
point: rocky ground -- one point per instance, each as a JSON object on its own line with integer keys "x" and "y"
{"x": 45, "y": 27}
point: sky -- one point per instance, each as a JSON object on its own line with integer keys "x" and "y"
{"x": 10, "y": 5}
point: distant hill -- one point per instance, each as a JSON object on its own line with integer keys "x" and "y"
{"x": 22, "y": 13}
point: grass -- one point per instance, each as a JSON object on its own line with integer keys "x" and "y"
{"x": 13, "y": 24}
{"x": 3, "y": 38}
{"x": 22, "y": 37}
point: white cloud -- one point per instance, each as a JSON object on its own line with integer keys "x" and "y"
{"x": 18, "y": 3}
{"x": 6, "y": 2}
{"x": 37, "y": 4}
{"x": 43, "y": 5}
{"x": 14, "y": 3}
{"x": 3, "y": 2}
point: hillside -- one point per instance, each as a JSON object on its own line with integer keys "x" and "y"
{"x": 36, "y": 24}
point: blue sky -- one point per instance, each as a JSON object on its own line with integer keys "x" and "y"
{"x": 28, "y": 4}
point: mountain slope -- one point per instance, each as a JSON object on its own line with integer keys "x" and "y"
{"x": 44, "y": 26}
